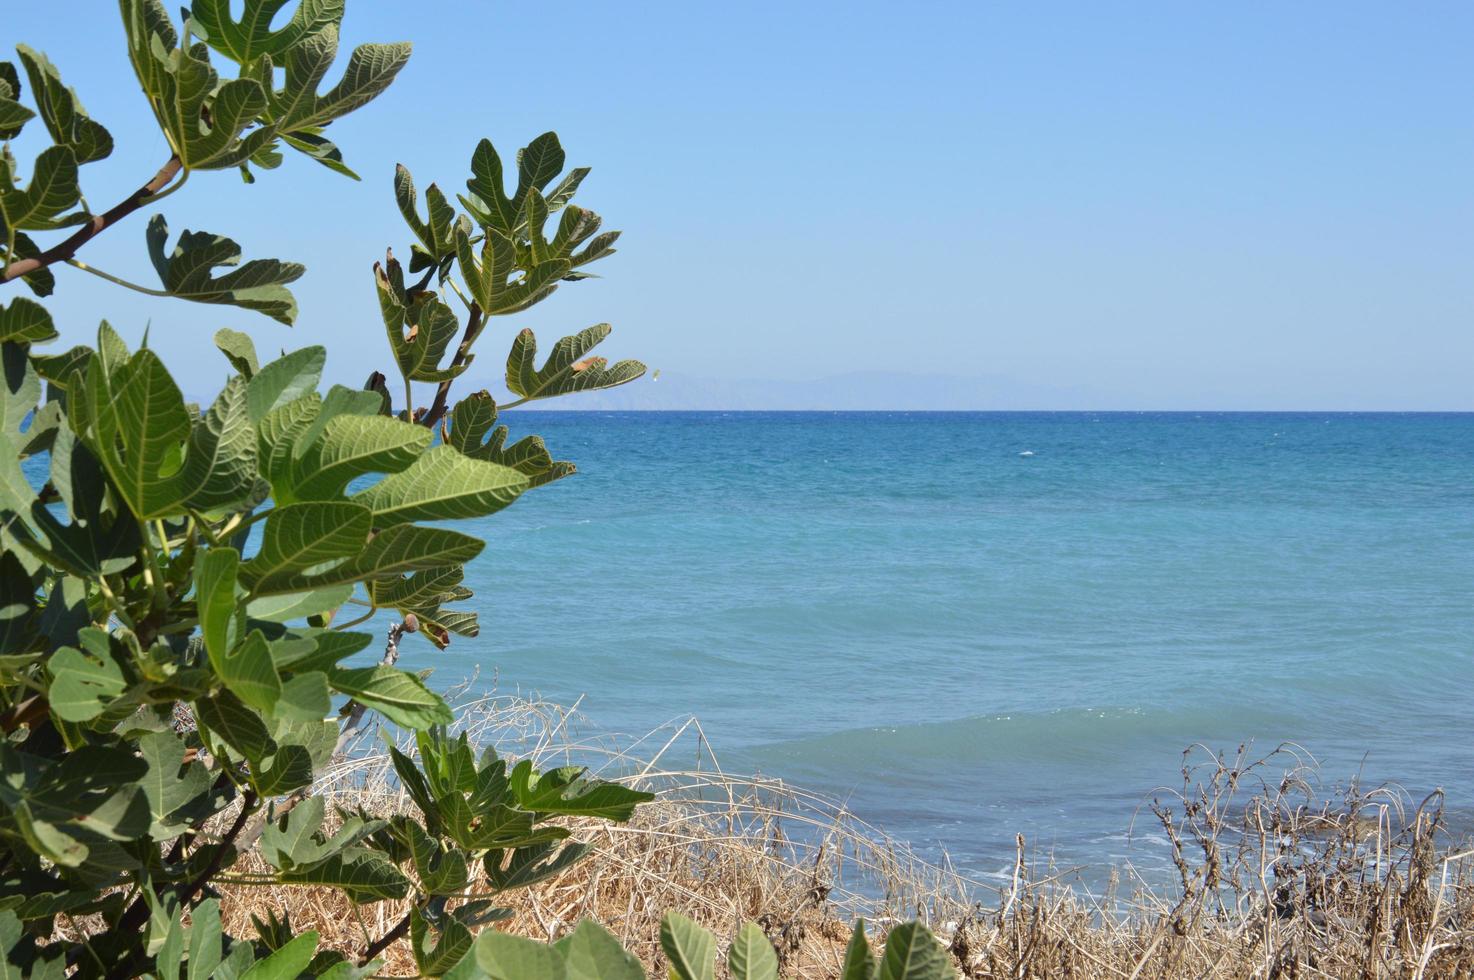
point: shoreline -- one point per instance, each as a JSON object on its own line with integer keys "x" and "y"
{"x": 1261, "y": 880}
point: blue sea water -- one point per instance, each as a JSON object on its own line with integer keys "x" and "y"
{"x": 965, "y": 641}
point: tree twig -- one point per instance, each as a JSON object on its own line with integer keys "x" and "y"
{"x": 353, "y": 723}
{"x": 442, "y": 394}
{"x": 385, "y": 941}
{"x": 138, "y": 914}
{"x": 24, "y": 712}
{"x": 423, "y": 284}
{"x": 67, "y": 248}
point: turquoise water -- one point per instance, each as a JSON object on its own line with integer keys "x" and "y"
{"x": 966, "y": 642}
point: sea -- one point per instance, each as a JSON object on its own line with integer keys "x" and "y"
{"x": 967, "y": 627}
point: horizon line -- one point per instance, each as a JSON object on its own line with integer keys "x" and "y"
{"x": 999, "y": 411}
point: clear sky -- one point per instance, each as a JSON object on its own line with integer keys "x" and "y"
{"x": 1249, "y": 205}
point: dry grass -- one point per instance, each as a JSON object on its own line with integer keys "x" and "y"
{"x": 1270, "y": 881}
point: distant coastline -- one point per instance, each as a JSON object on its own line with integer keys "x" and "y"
{"x": 883, "y": 391}
{"x": 880, "y": 391}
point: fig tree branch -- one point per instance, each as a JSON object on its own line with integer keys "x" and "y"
{"x": 148, "y": 193}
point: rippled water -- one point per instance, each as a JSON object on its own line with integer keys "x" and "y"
{"x": 967, "y": 641}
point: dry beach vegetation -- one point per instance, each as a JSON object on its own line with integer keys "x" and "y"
{"x": 1268, "y": 878}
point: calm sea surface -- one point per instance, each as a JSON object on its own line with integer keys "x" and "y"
{"x": 976, "y": 625}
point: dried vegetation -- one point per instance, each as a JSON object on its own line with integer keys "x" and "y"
{"x": 1267, "y": 877}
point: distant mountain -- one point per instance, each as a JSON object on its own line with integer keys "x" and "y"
{"x": 858, "y": 391}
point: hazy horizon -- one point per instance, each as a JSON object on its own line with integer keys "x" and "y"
{"x": 859, "y": 391}
{"x": 882, "y": 392}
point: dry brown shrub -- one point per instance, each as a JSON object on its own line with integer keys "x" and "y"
{"x": 1270, "y": 879}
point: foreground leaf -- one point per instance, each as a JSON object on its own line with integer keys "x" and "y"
{"x": 215, "y": 601}
{"x": 434, "y": 956}
{"x": 306, "y": 537}
{"x": 83, "y": 681}
{"x": 913, "y": 953}
{"x": 506, "y": 957}
{"x": 402, "y": 548}
{"x": 362, "y": 874}
{"x": 591, "y": 953}
{"x": 690, "y": 949}
{"x": 220, "y": 463}
{"x": 354, "y": 445}
{"x": 290, "y": 378}
{"x": 751, "y": 956}
{"x": 442, "y": 485}
{"x": 141, "y": 425}
{"x": 859, "y": 962}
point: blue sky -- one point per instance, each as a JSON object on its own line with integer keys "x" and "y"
{"x": 1254, "y": 205}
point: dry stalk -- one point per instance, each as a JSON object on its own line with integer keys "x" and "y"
{"x": 1271, "y": 880}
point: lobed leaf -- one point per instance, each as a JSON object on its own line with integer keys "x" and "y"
{"x": 474, "y": 416}
{"x": 205, "y": 120}
{"x": 398, "y": 549}
{"x": 241, "y": 728}
{"x": 436, "y": 232}
{"x": 251, "y": 36}
{"x": 220, "y": 460}
{"x": 531, "y": 863}
{"x": 83, "y": 680}
{"x": 442, "y": 484}
{"x": 434, "y": 956}
{"x": 498, "y": 282}
{"x": 96, "y": 542}
{"x": 361, "y": 874}
{"x": 40, "y": 281}
{"x": 170, "y": 784}
{"x": 298, "y": 605}
{"x": 286, "y": 963}
{"x": 419, "y": 330}
{"x": 565, "y": 791}
{"x": 441, "y": 868}
{"x": 13, "y": 117}
{"x": 215, "y": 601}
{"x": 45, "y": 202}
{"x": 316, "y": 649}
{"x": 396, "y": 694}
{"x": 62, "y": 112}
{"x": 537, "y": 164}
{"x": 370, "y": 70}
{"x": 139, "y": 427}
{"x": 248, "y": 671}
{"x": 303, "y": 538}
{"x": 566, "y": 369}
{"x": 19, "y": 614}
{"x": 186, "y": 272}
